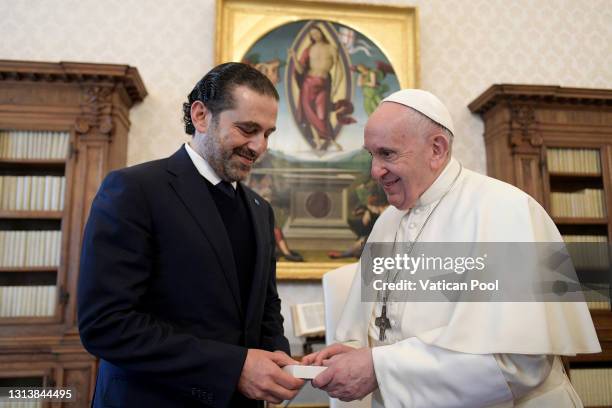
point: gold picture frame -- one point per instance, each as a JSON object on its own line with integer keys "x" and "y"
{"x": 393, "y": 29}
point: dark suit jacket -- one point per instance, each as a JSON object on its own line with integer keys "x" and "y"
{"x": 158, "y": 295}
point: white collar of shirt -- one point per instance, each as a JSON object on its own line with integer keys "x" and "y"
{"x": 204, "y": 168}
{"x": 440, "y": 185}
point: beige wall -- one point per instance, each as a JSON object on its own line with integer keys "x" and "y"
{"x": 466, "y": 45}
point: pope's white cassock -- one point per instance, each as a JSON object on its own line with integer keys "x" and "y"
{"x": 470, "y": 354}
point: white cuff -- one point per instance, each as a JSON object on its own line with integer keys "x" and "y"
{"x": 413, "y": 374}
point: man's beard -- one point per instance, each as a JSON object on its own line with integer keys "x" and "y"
{"x": 221, "y": 161}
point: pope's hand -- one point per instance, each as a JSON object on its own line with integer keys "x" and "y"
{"x": 318, "y": 357}
{"x": 263, "y": 379}
{"x": 349, "y": 376}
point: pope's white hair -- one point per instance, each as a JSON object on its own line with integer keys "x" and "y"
{"x": 424, "y": 126}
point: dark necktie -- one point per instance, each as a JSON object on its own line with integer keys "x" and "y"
{"x": 227, "y": 188}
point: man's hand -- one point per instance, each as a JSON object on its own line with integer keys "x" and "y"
{"x": 263, "y": 379}
{"x": 317, "y": 358}
{"x": 349, "y": 376}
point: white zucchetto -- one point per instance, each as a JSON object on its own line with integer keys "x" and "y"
{"x": 426, "y": 103}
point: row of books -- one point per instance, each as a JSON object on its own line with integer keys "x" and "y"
{"x": 595, "y": 301}
{"x": 588, "y": 202}
{"x": 584, "y": 161}
{"x": 32, "y": 193}
{"x": 584, "y": 238}
{"x": 33, "y": 145}
{"x": 593, "y": 385}
{"x": 26, "y": 301}
{"x": 5, "y": 403}
{"x": 589, "y": 251}
{"x": 30, "y": 248}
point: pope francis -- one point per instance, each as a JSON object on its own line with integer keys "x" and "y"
{"x": 470, "y": 354}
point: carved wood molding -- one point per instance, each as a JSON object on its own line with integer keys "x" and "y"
{"x": 76, "y": 72}
{"x": 542, "y": 94}
{"x": 522, "y": 101}
{"x": 97, "y": 109}
{"x": 100, "y": 92}
{"x": 524, "y": 127}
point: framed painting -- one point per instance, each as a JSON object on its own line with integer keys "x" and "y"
{"x": 332, "y": 63}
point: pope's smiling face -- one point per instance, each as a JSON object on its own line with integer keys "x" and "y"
{"x": 236, "y": 137}
{"x": 402, "y": 156}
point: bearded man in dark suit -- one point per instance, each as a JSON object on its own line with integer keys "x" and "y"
{"x": 177, "y": 291}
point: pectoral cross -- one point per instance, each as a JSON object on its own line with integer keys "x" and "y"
{"x": 382, "y": 322}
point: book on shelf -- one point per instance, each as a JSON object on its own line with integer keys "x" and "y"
{"x": 28, "y": 301}
{"x": 30, "y": 248}
{"x": 589, "y": 251}
{"x": 32, "y": 193}
{"x": 308, "y": 319}
{"x": 33, "y": 145}
{"x": 579, "y": 161}
{"x": 596, "y": 301}
{"x": 587, "y": 202}
{"x": 593, "y": 385}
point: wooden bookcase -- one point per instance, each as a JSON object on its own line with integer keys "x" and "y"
{"x": 529, "y": 130}
{"x": 67, "y": 121}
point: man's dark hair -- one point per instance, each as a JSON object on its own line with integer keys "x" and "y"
{"x": 215, "y": 89}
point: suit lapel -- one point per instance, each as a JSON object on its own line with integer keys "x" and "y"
{"x": 188, "y": 185}
{"x": 257, "y": 210}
